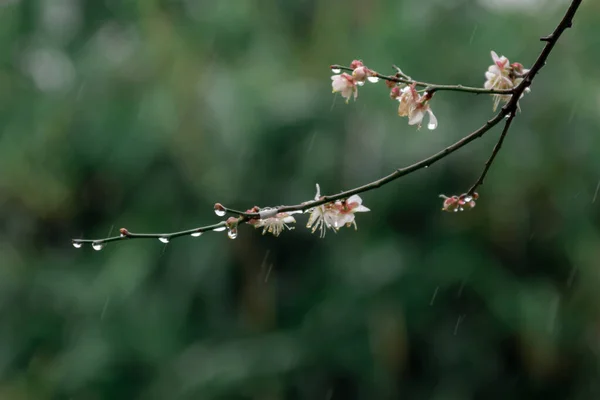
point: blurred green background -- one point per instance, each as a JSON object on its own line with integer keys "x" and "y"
{"x": 143, "y": 114}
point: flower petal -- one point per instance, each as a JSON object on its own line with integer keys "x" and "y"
{"x": 433, "y": 123}
{"x": 416, "y": 117}
{"x": 354, "y": 199}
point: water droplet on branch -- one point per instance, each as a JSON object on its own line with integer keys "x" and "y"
{"x": 97, "y": 246}
{"x": 77, "y": 245}
{"x": 220, "y": 213}
{"x": 336, "y": 70}
{"x": 373, "y": 79}
{"x": 232, "y": 234}
{"x": 164, "y": 239}
{"x": 219, "y": 229}
{"x": 196, "y": 234}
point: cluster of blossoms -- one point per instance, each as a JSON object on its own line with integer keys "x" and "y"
{"x": 347, "y": 85}
{"x": 413, "y": 104}
{"x": 459, "y": 203}
{"x": 332, "y": 215}
{"x": 503, "y": 75}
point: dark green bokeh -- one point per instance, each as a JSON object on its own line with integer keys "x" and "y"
{"x": 143, "y": 114}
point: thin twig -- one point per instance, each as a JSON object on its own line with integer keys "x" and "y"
{"x": 508, "y": 110}
{"x": 126, "y": 235}
{"x": 497, "y": 147}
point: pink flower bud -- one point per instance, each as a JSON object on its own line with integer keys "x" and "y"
{"x": 231, "y": 222}
{"x": 395, "y": 92}
{"x": 356, "y": 63}
{"x": 360, "y": 74}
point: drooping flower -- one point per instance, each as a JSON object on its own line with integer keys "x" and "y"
{"x": 414, "y": 106}
{"x": 334, "y": 215}
{"x": 503, "y": 75}
{"x": 345, "y": 85}
{"x": 274, "y": 225}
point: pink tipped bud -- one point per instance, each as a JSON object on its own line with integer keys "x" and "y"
{"x": 450, "y": 203}
{"x": 231, "y": 222}
{"x": 356, "y": 63}
{"x": 124, "y": 232}
{"x": 395, "y": 92}
{"x": 360, "y": 74}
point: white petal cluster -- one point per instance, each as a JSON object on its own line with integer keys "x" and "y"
{"x": 334, "y": 215}
{"x": 503, "y": 75}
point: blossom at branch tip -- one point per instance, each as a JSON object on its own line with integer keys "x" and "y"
{"x": 503, "y": 75}
{"x": 274, "y": 225}
{"x": 414, "y": 106}
{"x": 345, "y": 85}
{"x": 459, "y": 203}
{"x": 334, "y": 215}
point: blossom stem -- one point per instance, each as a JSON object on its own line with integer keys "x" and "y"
{"x": 430, "y": 87}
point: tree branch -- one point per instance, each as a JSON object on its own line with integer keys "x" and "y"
{"x": 509, "y": 110}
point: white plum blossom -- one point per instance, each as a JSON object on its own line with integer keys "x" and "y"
{"x": 415, "y": 106}
{"x": 334, "y": 215}
{"x": 345, "y": 85}
{"x": 348, "y": 208}
{"x": 274, "y": 225}
{"x": 503, "y": 75}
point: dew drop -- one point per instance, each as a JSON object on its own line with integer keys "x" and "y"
{"x": 97, "y": 246}
{"x": 360, "y": 83}
{"x": 427, "y": 166}
{"x": 462, "y": 209}
{"x": 232, "y": 234}
{"x": 219, "y": 213}
{"x": 121, "y": 235}
{"x": 164, "y": 239}
{"x": 336, "y": 70}
{"x": 219, "y": 229}
{"x": 373, "y": 79}
{"x": 196, "y": 234}
{"x": 431, "y": 126}
{"x": 77, "y": 245}
{"x": 468, "y": 199}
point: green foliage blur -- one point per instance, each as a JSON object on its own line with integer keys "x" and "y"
{"x": 143, "y": 114}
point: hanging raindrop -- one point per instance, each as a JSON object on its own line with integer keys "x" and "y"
{"x": 196, "y": 234}
{"x": 232, "y": 234}
{"x": 219, "y": 213}
{"x": 373, "y": 79}
{"x": 97, "y": 246}
{"x": 468, "y": 199}
{"x": 164, "y": 239}
{"x": 219, "y": 229}
{"x": 77, "y": 245}
{"x": 336, "y": 70}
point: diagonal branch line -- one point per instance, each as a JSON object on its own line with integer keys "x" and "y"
{"x": 508, "y": 111}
